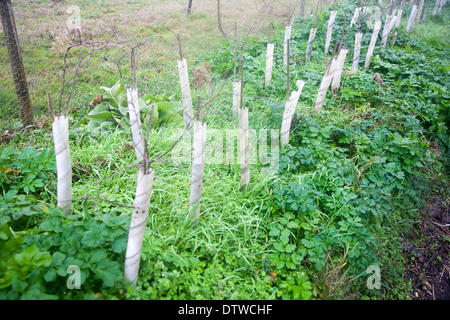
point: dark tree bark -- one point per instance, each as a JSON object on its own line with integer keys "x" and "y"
{"x": 189, "y": 7}
{"x": 15, "y": 57}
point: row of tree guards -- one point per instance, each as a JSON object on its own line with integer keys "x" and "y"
{"x": 194, "y": 125}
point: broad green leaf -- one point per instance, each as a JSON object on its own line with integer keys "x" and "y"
{"x": 91, "y": 238}
{"x": 120, "y": 244}
{"x": 290, "y": 248}
{"x": 279, "y": 246}
{"x": 284, "y": 238}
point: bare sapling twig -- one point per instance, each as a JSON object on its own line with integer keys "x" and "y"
{"x": 356, "y": 14}
{"x": 93, "y": 47}
{"x": 336, "y": 46}
{"x": 241, "y": 73}
{"x": 219, "y": 20}
{"x": 342, "y": 34}
{"x": 244, "y": 146}
{"x": 50, "y": 104}
{"x": 180, "y": 51}
{"x": 236, "y": 84}
{"x": 312, "y": 35}
{"x": 257, "y": 19}
{"x": 144, "y": 186}
{"x": 60, "y": 122}
{"x": 287, "y": 34}
{"x": 133, "y": 66}
{"x": 235, "y": 50}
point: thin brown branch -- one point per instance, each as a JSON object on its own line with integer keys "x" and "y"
{"x": 180, "y": 51}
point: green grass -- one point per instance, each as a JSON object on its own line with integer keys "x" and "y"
{"x": 43, "y": 38}
{"x": 232, "y": 228}
{"x": 230, "y": 255}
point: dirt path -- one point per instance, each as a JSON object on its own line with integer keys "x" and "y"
{"x": 428, "y": 249}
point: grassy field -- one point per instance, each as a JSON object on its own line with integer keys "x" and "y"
{"x": 150, "y": 26}
{"x": 347, "y": 194}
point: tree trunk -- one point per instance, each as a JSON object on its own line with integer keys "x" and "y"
{"x": 302, "y": 8}
{"x": 287, "y": 37}
{"x": 189, "y": 7}
{"x": 219, "y": 20}
{"x": 15, "y": 57}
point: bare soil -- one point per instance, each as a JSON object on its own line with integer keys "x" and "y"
{"x": 427, "y": 251}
